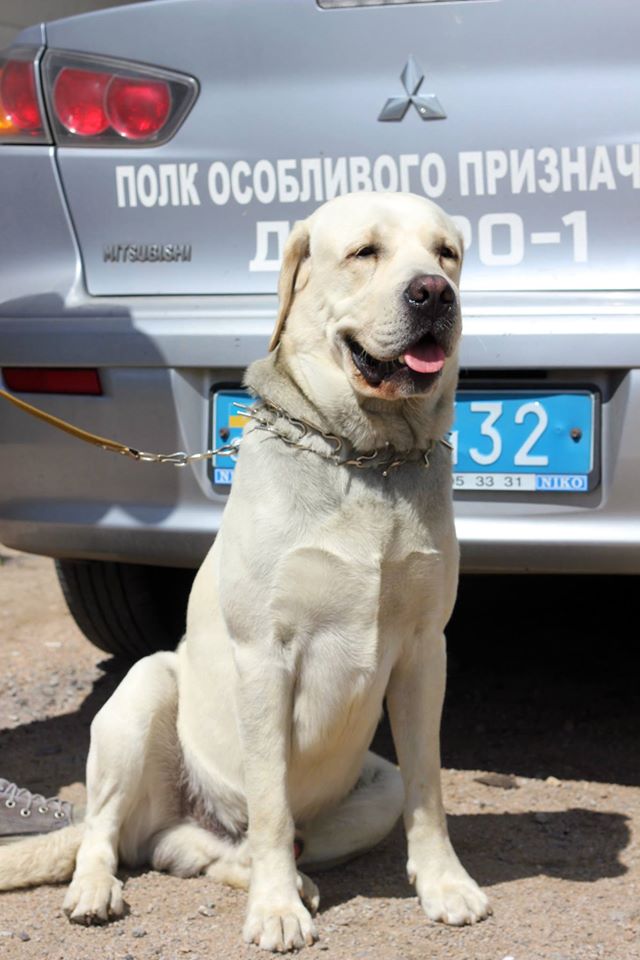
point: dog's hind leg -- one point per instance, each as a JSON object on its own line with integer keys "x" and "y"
{"x": 131, "y": 785}
{"x": 186, "y": 850}
{"x": 364, "y": 818}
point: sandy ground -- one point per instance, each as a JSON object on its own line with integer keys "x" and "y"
{"x": 541, "y": 779}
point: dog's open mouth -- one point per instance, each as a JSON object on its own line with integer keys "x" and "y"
{"x": 421, "y": 361}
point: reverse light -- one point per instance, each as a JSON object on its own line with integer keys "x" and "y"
{"x": 79, "y": 381}
{"x": 95, "y": 101}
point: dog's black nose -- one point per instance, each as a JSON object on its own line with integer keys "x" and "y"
{"x": 429, "y": 290}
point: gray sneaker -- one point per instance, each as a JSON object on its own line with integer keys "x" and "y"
{"x": 23, "y": 813}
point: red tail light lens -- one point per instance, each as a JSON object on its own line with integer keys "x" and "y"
{"x": 85, "y": 382}
{"x": 21, "y": 119}
{"x": 138, "y": 109}
{"x": 78, "y": 98}
{"x": 19, "y": 97}
{"x": 98, "y": 102}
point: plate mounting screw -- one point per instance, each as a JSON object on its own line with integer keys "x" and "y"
{"x": 576, "y": 434}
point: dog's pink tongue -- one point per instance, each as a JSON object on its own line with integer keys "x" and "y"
{"x": 425, "y": 357}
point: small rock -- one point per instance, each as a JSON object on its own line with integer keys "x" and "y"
{"x": 23, "y": 935}
{"x": 138, "y": 932}
{"x": 6, "y": 933}
{"x": 205, "y": 911}
{"x": 129, "y": 956}
{"x": 553, "y": 782}
{"x": 541, "y": 817}
{"x": 505, "y": 781}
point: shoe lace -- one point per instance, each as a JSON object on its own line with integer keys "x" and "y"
{"x": 12, "y": 794}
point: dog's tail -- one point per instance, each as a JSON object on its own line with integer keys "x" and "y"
{"x": 50, "y": 858}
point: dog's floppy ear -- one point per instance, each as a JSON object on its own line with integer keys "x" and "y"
{"x": 295, "y": 251}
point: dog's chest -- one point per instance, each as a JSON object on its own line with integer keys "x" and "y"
{"x": 346, "y": 600}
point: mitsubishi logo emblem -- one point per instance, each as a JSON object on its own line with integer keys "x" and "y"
{"x": 427, "y": 104}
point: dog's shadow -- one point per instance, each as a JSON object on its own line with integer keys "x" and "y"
{"x": 575, "y": 844}
{"x": 45, "y": 755}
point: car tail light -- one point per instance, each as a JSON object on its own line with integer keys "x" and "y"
{"x": 21, "y": 112}
{"x": 78, "y": 100}
{"x": 97, "y": 102}
{"x": 52, "y": 380}
{"x": 138, "y": 109}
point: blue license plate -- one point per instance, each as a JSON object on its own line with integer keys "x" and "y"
{"x": 503, "y": 440}
{"x": 228, "y": 423}
{"x": 539, "y": 441}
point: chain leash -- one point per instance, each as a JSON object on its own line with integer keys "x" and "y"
{"x": 384, "y": 459}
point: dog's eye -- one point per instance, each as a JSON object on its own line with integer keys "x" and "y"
{"x": 369, "y": 251}
{"x": 448, "y": 253}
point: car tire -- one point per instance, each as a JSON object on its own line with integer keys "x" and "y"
{"x": 128, "y": 610}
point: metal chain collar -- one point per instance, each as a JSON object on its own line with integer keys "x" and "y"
{"x": 385, "y": 459}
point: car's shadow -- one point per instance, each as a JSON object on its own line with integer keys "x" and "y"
{"x": 540, "y": 681}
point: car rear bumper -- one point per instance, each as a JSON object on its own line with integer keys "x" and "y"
{"x": 160, "y": 358}
{"x": 181, "y": 538}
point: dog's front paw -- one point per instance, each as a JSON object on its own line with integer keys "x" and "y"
{"x": 94, "y": 898}
{"x": 280, "y": 924}
{"x": 450, "y": 895}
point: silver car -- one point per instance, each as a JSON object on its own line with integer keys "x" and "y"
{"x": 153, "y": 160}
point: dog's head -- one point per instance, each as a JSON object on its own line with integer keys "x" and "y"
{"x": 369, "y": 284}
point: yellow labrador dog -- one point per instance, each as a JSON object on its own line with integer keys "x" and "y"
{"x": 244, "y": 755}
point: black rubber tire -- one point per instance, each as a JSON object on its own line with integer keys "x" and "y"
{"x": 126, "y": 609}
